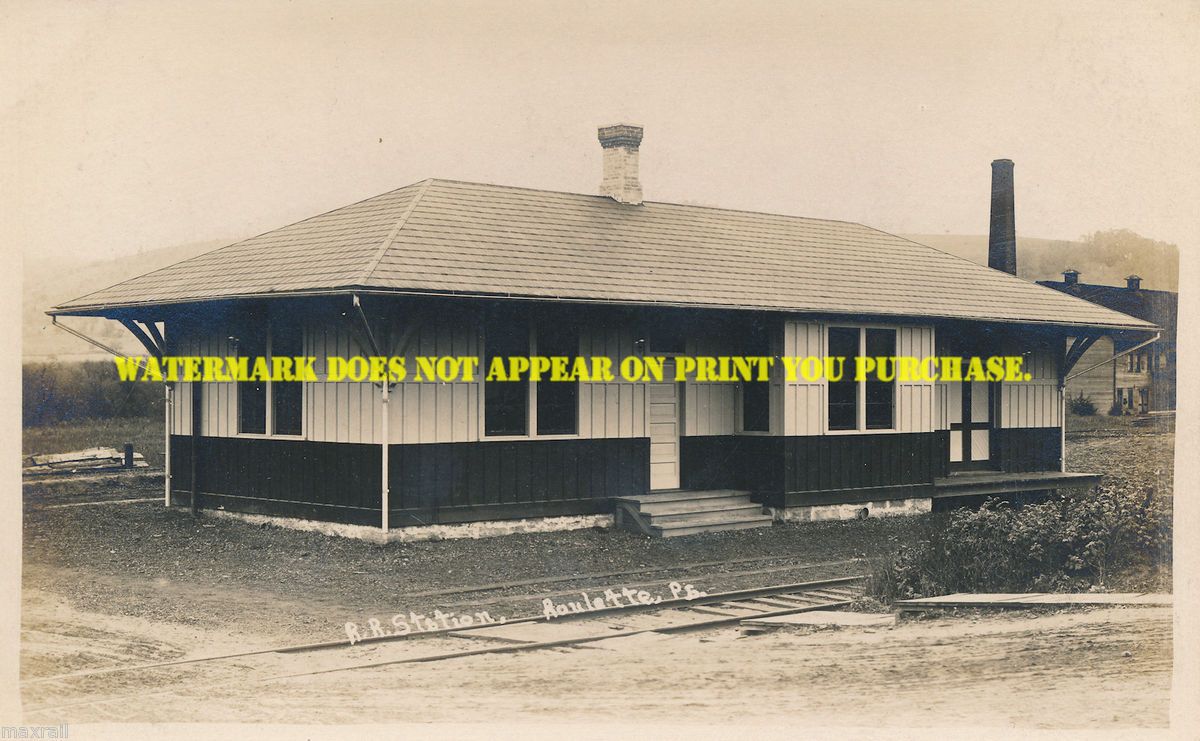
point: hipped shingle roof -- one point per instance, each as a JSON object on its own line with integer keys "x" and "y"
{"x": 457, "y": 238}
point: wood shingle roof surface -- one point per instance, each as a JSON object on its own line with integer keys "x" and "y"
{"x": 457, "y": 238}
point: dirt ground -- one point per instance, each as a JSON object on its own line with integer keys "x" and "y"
{"x": 137, "y": 583}
{"x": 1104, "y": 668}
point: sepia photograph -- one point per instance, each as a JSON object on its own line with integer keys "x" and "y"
{"x": 482, "y": 369}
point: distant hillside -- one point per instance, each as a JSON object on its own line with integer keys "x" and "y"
{"x": 1107, "y": 259}
{"x": 51, "y": 282}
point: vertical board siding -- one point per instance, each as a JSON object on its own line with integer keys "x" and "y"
{"x": 803, "y": 401}
{"x": 836, "y": 462}
{"x": 709, "y": 408}
{"x": 456, "y": 482}
{"x": 336, "y": 482}
{"x": 1036, "y": 402}
{"x": 812, "y": 463}
{"x": 342, "y": 411}
{"x": 617, "y": 409}
{"x": 916, "y": 409}
{"x": 1029, "y": 449}
{"x": 433, "y": 411}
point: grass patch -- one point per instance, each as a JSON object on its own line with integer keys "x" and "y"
{"x": 145, "y": 434}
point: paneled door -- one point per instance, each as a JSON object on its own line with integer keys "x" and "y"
{"x": 663, "y": 400}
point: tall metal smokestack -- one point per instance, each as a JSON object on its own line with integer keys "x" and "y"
{"x": 1002, "y": 237}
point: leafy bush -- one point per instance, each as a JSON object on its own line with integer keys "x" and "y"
{"x": 70, "y": 392}
{"x": 1067, "y": 542}
{"x": 1081, "y": 406}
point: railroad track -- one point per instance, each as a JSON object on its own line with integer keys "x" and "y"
{"x": 674, "y": 615}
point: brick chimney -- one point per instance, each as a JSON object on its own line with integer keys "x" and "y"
{"x": 1070, "y": 276}
{"x": 620, "y": 143}
{"x": 1133, "y": 282}
{"x": 1002, "y": 236}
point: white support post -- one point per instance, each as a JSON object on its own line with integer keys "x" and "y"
{"x": 167, "y": 418}
{"x": 384, "y": 456}
{"x": 1062, "y": 426}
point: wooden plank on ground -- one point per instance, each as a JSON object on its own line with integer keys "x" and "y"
{"x": 1035, "y": 599}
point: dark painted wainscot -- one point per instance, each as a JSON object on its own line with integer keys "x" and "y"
{"x": 847, "y": 469}
{"x": 429, "y": 484}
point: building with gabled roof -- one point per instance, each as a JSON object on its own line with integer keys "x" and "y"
{"x": 445, "y": 267}
{"x": 1141, "y": 379}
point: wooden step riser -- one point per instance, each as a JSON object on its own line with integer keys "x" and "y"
{"x": 705, "y": 518}
{"x": 676, "y": 532}
{"x": 715, "y": 501}
{"x": 703, "y": 508}
{"x": 681, "y": 496}
{"x": 698, "y": 505}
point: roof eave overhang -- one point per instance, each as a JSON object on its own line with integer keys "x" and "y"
{"x": 112, "y": 310}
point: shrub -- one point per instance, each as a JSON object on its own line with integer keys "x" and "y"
{"x": 1081, "y": 406}
{"x": 1070, "y": 541}
{"x": 71, "y": 392}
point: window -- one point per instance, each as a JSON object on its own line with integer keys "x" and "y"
{"x": 273, "y": 405}
{"x": 881, "y": 343}
{"x": 505, "y": 403}
{"x": 252, "y": 395}
{"x": 287, "y": 340}
{"x": 557, "y": 401}
{"x": 756, "y": 406}
{"x": 756, "y": 395}
{"x": 869, "y": 404}
{"x": 843, "y": 393}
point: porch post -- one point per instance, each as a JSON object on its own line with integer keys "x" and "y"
{"x": 167, "y": 406}
{"x": 384, "y": 457}
{"x": 1062, "y": 425}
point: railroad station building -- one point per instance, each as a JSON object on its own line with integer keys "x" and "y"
{"x": 442, "y": 267}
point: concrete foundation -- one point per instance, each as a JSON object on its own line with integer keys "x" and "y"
{"x": 472, "y": 530}
{"x": 883, "y": 508}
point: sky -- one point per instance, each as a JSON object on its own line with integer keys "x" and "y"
{"x": 135, "y": 125}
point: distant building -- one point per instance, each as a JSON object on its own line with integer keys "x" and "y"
{"x": 1143, "y": 381}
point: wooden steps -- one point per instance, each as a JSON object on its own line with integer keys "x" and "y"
{"x": 668, "y": 514}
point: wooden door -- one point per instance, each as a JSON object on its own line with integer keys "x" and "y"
{"x": 663, "y": 402}
{"x": 971, "y": 410}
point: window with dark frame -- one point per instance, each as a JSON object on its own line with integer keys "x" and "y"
{"x": 880, "y": 395}
{"x": 756, "y": 395}
{"x": 844, "y": 394}
{"x": 557, "y": 401}
{"x": 252, "y": 395}
{"x": 505, "y": 403}
{"x": 287, "y": 397}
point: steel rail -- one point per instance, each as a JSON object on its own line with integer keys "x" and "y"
{"x": 665, "y": 604}
{"x": 538, "y": 645}
{"x": 720, "y": 598}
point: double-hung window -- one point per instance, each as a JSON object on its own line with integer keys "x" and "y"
{"x": 511, "y": 408}
{"x": 869, "y": 403}
{"x": 265, "y": 406}
{"x": 756, "y": 395}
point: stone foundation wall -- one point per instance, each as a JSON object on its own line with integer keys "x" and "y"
{"x": 884, "y": 508}
{"x": 472, "y": 530}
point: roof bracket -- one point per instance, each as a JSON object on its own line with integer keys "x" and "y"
{"x": 154, "y": 345}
